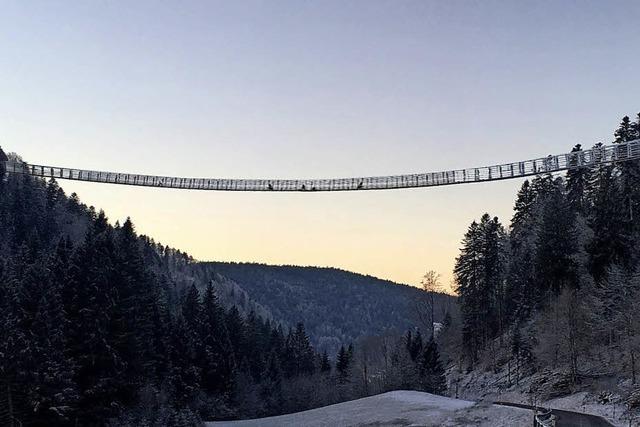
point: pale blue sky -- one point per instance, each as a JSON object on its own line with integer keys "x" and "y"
{"x": 312, "y": 89}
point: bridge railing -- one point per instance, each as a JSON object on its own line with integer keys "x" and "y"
{"x": 550, "y": 164}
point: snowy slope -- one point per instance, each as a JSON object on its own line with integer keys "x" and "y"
{"x": 396, "y": 408}
{"x": 489, "y": 386}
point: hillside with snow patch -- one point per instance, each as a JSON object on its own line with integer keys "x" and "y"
{"x": 396, "y": 408}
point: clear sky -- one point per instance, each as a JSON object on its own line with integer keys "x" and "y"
{"x": 297, "y": 89}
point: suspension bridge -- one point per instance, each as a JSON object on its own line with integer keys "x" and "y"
{"x": 598, "y": 155}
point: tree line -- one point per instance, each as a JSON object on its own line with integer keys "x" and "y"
{"x": 560, "y": 287}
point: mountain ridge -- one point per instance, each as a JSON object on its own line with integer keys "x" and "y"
{"x": 337, "y": 306}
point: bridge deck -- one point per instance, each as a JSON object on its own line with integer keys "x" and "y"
{"x": 549, "y": 164}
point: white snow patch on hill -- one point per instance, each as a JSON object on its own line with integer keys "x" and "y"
{"x": 396, "y": 408}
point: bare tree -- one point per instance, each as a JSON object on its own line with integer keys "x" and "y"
{"x": 431, "y": 285}
{"x": 564, "y": 340}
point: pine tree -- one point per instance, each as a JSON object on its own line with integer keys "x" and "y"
{"x": 89, "y": 300}
{"x": 402, "y": 371}
{"x": 524, "y": 206}
{"x": 577, "y": 181}
{"x": 468, "y": 276}
{"x": 611, "y": 242}
{"x": 556, "y": 266}
{"x": 236, "y": 329}
{"x": 255, "y": 348}
{"x": 217, "y": 358}
{"x": 271, "y": 386}
{"x": 325, "y": 364}
{"x": 479, "y": 274}
{"x": 191, "y": 309}
{"x": 520, "y": 294}
{"x": 629, "y": 175}
{"x": 53, "y": 390}
{"x": 343, "y": 365}
{"x": 350, "y": 352}
{"x": 299, "y": 353}
{"x": 161, "y": 323}
{"x": 136, "y": 296}
{"x": 277, "y": 340}
{"x": 184, "y": 375}
{"x": 53, "y": 198}
{"x": 15, "y": 351}
{"x": 431, "y": 371}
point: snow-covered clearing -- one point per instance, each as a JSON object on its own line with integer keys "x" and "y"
{"x": 396, "y": 408}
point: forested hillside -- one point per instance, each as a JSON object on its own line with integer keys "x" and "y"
{"x": 337, "y": 306}
{"x": 555, "y": 296}
{"x": 100, "y": 326}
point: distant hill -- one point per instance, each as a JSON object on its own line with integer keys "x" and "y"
{"x": 336, "y": 306}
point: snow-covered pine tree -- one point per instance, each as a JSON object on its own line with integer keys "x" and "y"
{"x": 479, "y": 273}
{"x": 611, "y": 242}
{"x": 556, "y": 244}
{"x": 520, "y": 294}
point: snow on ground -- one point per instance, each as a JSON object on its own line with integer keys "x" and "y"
{"x": 585, "y": 402}
{"x": 491, "y": 387}
{"x": 396, "y": 408}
